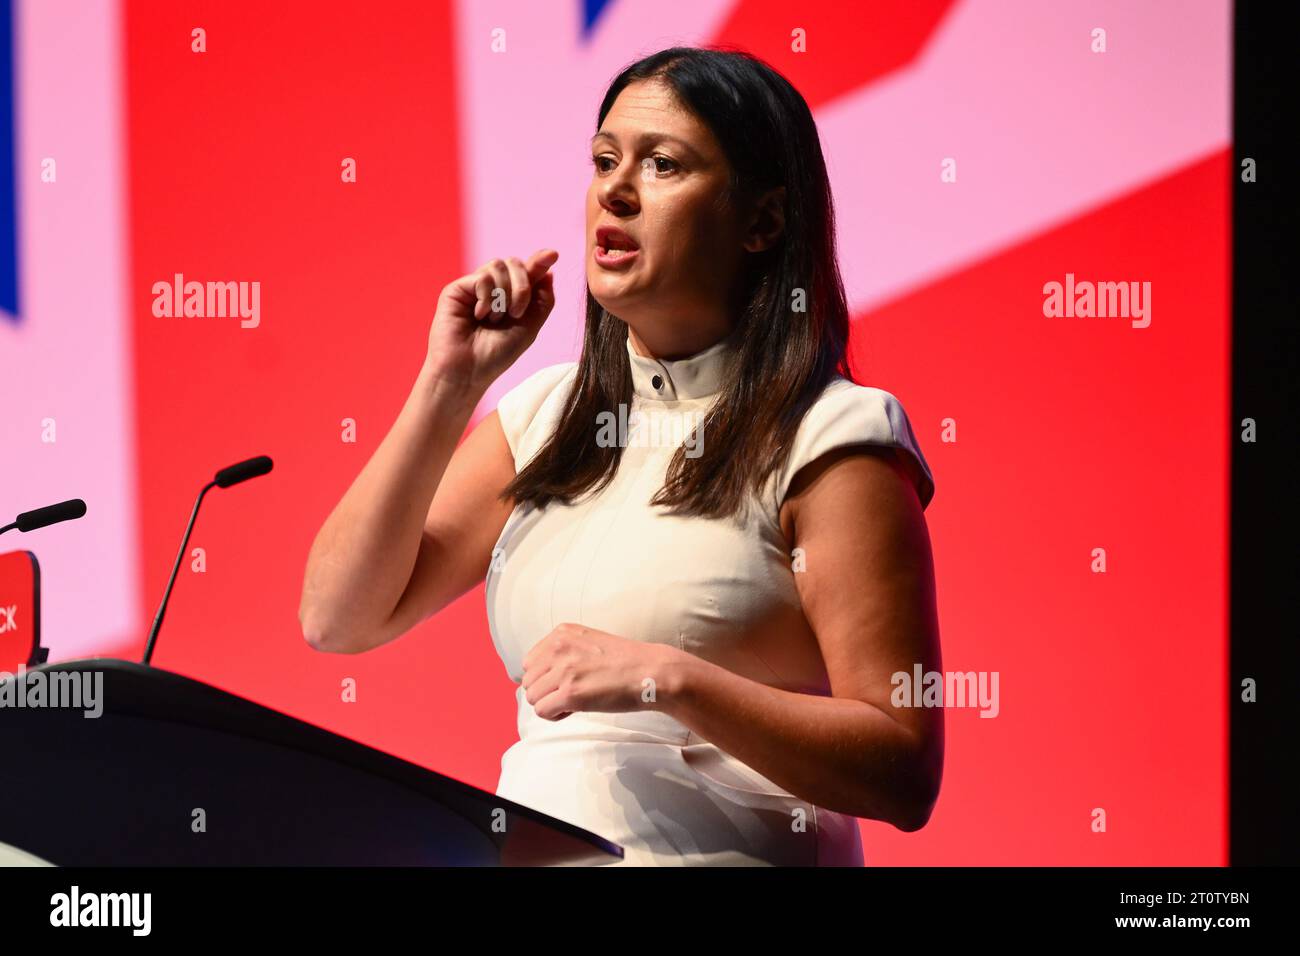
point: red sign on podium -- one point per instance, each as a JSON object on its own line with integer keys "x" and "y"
{"x": 20, "y": 611}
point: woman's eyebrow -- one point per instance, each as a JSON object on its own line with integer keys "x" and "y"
{"x": 649, "y": 136}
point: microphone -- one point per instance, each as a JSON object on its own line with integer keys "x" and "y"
{"x": 252, "y": 468}
{"x": 233, "y": 475}
{"x": 50, "y": 514}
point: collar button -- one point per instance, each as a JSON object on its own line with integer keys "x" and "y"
{"x": 657, "y": 382}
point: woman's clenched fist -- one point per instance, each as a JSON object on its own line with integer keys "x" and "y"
{"x": 486, "y": 319}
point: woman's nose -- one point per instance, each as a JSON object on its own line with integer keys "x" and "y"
{"x": 619, "y": 188}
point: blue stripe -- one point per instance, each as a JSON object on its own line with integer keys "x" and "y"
{"x": 8, "y": 204}
{"x": 591, "y": 11}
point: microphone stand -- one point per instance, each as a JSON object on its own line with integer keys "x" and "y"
{"x": 162, "y": 608}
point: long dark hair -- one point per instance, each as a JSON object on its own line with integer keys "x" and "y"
{"x": 786, "y": 357}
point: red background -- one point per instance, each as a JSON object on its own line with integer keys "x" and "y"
{"x": 234, "y": 172}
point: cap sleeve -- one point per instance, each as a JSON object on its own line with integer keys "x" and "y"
{"x": 518, "y": 409}
{"x": 852, "y": 414}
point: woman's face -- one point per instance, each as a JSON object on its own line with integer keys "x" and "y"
{"x": 660, "y": 177}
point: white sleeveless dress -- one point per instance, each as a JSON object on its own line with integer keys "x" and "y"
{"x": 723, "y": 590}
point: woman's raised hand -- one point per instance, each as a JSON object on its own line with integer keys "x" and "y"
{"x": 486, "y": 319}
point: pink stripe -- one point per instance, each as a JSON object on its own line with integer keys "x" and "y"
{"x": 72, "y": 347}
{"x": 1042, "y": 130}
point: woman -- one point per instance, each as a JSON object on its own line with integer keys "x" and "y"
{"x": 703, "y": 629}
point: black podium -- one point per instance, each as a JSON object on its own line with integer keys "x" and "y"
{"x": 126, "y": 788}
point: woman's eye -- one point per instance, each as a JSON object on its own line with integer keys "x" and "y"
{"x": 662, "y": 164}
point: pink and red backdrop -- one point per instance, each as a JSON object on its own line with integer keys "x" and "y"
{"x": 1070, "y": 434}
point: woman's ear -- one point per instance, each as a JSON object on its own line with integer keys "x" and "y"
{"x": 767, "y": 221}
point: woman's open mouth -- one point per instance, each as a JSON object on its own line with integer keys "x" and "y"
{"x": 611, "y": 258}
{"x": 615, "y": 249}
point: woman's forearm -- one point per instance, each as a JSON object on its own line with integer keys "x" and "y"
{"x": 363, "y": 555}
{"x": 845, "y": 755}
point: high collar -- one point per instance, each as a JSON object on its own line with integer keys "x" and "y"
{"x": 701, "y": 375}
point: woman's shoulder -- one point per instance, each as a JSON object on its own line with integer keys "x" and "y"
{"x": 533, "y": 400}
{"x": 847, "y": 413}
